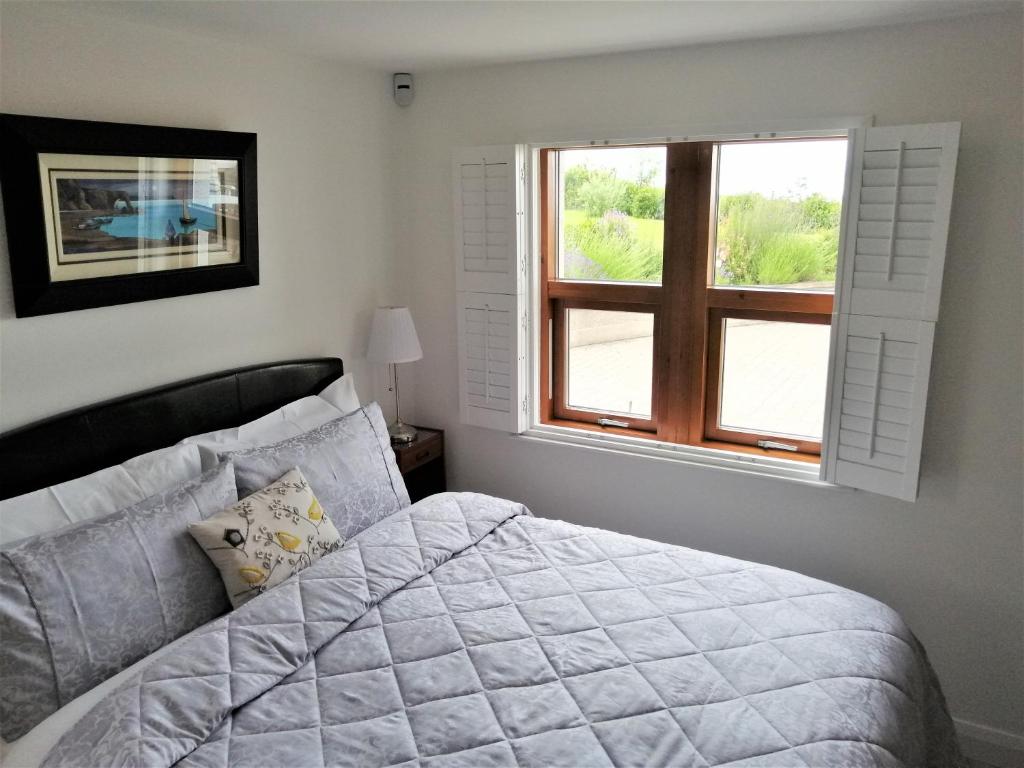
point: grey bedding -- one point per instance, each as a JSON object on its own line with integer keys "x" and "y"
{"x": 80, "y": 604}
{"x": 463, "y": 631}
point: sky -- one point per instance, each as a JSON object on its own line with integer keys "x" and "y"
{"x": 777, "y": 168}
{"x": 781, "y": 168}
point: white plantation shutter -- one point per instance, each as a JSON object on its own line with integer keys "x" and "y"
{"x": 491, "y": 340}
{"x": 489, "y": 202}
{"x": 491, "y": 268}
{"x": 897, "y": 221}
{"x": 885, "y": 365}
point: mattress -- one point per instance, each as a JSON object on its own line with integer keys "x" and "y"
{"x": 464, "y": 631}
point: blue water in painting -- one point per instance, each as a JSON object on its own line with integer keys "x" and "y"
{"x": 152, "y": 217}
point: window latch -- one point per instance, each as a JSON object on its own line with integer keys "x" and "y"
{"x": 776, "y": 445}
{"x": 614, "y": 423}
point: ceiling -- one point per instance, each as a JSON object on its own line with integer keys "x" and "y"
{"x": 418, "y": 35}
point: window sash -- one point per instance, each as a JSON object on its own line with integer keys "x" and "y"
{"x": 715, "y": 365}
{"x": 560, "y": 359}
{"x": 685, "y": 306}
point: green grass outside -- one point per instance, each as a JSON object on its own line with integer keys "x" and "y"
{"x": 760, "y": 242}
{"x": 648, "y": 230}
{"x": 613, "y": 246}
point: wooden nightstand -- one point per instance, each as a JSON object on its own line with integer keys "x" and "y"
{"x": 421, "y": 463}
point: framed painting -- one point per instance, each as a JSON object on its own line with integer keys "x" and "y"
{"x": 108, "y": 213}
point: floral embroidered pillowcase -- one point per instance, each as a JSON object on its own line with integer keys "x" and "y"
{"x": 267, "y": 537}
{"x": 348, "y": 462}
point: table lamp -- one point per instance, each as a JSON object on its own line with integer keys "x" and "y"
{"x": 393, "y": 340}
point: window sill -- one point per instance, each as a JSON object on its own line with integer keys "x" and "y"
{"x": 764, "y": 466}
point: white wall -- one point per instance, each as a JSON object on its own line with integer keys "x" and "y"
{"x": 326, "y": 250}
{"x": 952, "y": 562}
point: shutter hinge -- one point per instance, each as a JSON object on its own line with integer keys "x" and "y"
{"x": 526, "y": 405}
{"x": 524, "y": 321}
{"x": 522, "y": 173}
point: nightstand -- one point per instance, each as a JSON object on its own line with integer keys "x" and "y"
{"x": 421, "y": 463}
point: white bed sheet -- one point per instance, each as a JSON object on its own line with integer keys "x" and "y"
{"x": 30, "y": 749}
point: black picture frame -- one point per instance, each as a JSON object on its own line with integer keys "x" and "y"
{"x": 23, "y": 138}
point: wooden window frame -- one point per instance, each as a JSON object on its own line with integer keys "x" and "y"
{"x": 688, "y": 311}
{"x": 715, "y": 362}
{"x": 560, "y": 360}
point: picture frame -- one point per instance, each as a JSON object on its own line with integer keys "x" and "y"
{"x": 110, "y": 213}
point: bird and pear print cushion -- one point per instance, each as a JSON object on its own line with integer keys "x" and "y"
{"x": 267, "y": 537}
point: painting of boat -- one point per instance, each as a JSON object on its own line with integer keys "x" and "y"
{"x": 186, "y": 218}
{"x": 128, "y": 214}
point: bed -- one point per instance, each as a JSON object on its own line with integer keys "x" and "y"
{"x": 463, "y": 630}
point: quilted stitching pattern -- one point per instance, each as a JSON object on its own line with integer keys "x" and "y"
{"x": 539, "y": 642}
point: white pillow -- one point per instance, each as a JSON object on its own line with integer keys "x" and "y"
{"x": 341, "y": 393}
{"x": 291, "y": 420}
{"x": 101, "y": 493}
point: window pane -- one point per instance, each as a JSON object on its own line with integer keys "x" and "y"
{"x": 611, "y": 214}
{"x": 778, "y": 213}
{"x": 773, "y": 377}
{"x": 610, "y": 361}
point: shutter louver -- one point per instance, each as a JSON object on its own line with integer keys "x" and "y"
{"x": 490, "y": 281}
{"x": 488, "y": 360}
{"x": 896, "y": 228}
{"x": 882, "y": 393}
{"x": 488, "y": 220}
{"x": 903, "y": 188}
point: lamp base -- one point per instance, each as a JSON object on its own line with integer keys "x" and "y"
{"x": 401, "y": 433}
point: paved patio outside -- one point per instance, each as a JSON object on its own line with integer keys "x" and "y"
{"x": 775, "y": 376}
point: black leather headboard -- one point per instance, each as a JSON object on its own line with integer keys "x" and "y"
{"x": 84, "y": 440}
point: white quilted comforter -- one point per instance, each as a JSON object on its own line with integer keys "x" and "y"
{"x": 463, "y": 631}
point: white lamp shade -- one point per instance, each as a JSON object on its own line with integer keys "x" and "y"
{"x": 393, "y": 337}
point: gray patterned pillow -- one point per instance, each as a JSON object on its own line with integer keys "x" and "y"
{"x": 80, "y": 604}
{"x": 349, "y": 465}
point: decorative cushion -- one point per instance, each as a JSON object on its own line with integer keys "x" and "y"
{"x": 80, "y": 604}
{"x": 267, "y": 537}
{"x": 349, "y": 465}
{"x": 100, "y": 493}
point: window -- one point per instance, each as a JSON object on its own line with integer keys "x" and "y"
{"x": 686, "y": 297}
{"x": 687, "y": 290}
